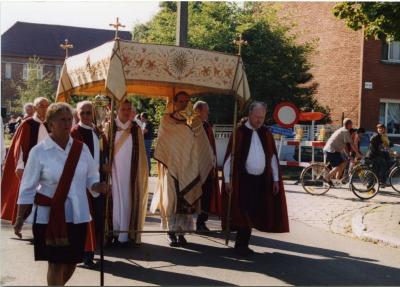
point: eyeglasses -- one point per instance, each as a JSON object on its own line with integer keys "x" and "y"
{"x": 87, "y": 113}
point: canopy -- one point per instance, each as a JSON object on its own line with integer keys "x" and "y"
{"x": 120, "y": 68}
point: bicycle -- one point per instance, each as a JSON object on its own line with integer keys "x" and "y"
{"x": 394, "y": 172}
{"x": 363, "y": 182}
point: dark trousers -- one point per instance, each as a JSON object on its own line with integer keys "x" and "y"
{"x": 205, "y": 201}
{"x": 98, "y": 208}
{"x": 243, "y": 238}
{"x": 381, "y": 166}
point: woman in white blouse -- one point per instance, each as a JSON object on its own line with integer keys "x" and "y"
{"x": 59, "y": 236}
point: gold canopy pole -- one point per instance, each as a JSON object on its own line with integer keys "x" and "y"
{"x": 239, "y": 43}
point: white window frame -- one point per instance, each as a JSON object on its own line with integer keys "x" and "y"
{"x": 386, "y": 102}
{"x": 390, "y": 44}
{"x": 7, "y": 71}
{"x": 58, "y": 71}
{"x": 25, "y": 72}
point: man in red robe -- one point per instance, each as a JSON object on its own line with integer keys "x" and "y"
{"x": 86, "y": 132}
{"x": 31, "y": 131}
{"x": 255, "y": 185}
{"x": 210, "y": 203}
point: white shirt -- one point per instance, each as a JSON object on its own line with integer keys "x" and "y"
{"x": 96, "y": 143}
{"x": 255, "y": 162}
{"x": 42, "y": 173}
{"x": 41, "y": 136}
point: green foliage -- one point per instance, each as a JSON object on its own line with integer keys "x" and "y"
{"x": 380, "y": 20}
{"x": 35, "y": 86}
{"x": 276, "y": 67}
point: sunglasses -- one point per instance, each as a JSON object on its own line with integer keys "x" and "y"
{"x": 87, "y": 113}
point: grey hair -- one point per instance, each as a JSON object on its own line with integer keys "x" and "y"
{"x": 80, "y": 105}
{"x": 55, "y": 109}
{"x": 38, "y": 100}
{"x": 199, "y": 105}
{"x": 257, "y": 104}
{"x": 28, "y": 105}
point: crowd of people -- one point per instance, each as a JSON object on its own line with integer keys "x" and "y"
{"x": 58, "y": 168}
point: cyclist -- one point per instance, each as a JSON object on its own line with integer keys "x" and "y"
{"x": 334, "y": 147}
{"x": 378, "y": 153}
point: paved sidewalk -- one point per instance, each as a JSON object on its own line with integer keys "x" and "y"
{"x": 340, "y": 211}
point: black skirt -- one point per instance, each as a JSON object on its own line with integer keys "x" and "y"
{"x": 73, "y": 253}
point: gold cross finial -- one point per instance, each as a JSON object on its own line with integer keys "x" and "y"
{"x": 116, "y": 26}
{"x": 65, "y": 46}
{"x": 240, "y": 43}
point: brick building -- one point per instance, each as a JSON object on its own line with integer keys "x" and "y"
{"x": 357, "y": 78}
{"x": 26, "y": 40}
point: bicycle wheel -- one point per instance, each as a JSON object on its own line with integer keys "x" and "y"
{"x": 312, "y": 179}
{"x": 364, "y": 183}
{"x": 394, "y": 178}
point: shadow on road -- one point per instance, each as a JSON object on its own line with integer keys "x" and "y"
{"x": 297, "y": 264}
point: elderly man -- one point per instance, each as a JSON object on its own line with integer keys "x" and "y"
{"x": 210, "y": 202}
{"x": 185, "y": 160}
{"x": 255, "y": 184}
{"x": 29, "y": 110}
{"x": 129, "y": 178}
{"x": 31, "y": 132}
{"x": 85, "y": 131}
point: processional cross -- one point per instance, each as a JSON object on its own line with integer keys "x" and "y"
{"x": 240, "y": 43}
{"x": 65, "y": 46}
{"x": 116, "y": 26}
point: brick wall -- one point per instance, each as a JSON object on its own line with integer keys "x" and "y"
{"x": 337, "y": 58}
{"x": 385, "y": 78}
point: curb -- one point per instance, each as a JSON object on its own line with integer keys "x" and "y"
{"x": 360, "y": 231}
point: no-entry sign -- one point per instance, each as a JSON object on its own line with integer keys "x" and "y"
{"x": 286, "y": 115}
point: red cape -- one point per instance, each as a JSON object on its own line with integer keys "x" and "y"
{"x": 215, "y": 198}
{"x": 25, "y": 138}
{"x": 273, "y": 216}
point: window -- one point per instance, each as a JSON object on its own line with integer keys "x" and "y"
{"x": 389, "y": 114}
{"x": 394, "y": 51}
{"x": 58, "y": 72}
{"x": 7, "y": 74}
{"x": 32, "y": 70}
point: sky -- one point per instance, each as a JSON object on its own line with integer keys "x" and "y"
{"x": 91, "y": 14}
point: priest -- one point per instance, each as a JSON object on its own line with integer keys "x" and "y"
{"x": 32, "y": 131}
{"x": 210, "y": 203}
{"x": 86, "y": 132}
{"x": 185, "y": 159}
{"x": 129, "y": 179}
{"x": 255, "y": 185}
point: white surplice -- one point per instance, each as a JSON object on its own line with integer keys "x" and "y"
{"x": 121, "y": 185}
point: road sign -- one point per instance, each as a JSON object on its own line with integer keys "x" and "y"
{"x": 286, "y": 115}
{"x": 281, "y": 131}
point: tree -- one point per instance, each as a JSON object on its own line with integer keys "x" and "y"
{"x": 35, "y": 85}
{"x": 380, "y": 20}
{"x": 276, "y": 67}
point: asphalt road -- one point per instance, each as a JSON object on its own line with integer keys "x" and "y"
{"x": 305, "y": 256}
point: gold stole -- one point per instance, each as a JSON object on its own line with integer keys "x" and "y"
{"x": 126, "y": 133}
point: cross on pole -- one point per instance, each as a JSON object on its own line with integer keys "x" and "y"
{"x": 65, "y": 46}
{"x": 240, "y": 43}
{"x": 116, "y": 26}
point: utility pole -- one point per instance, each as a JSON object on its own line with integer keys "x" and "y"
{"x": 182, "y": 23}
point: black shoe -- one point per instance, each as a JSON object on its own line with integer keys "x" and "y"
{"x": 173, "y": 241}
{"x": 126, "y": 244}
{"x": 202, "y": 228}
{"x": 182, "y": 240}
{"x": 244, "y": 251}
{"x": 88, "y": 263}
{"x": 328, "y": 182}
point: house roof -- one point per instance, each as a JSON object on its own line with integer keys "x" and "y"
{"x": 43, "y": 40}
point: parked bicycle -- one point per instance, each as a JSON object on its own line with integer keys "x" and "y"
{"x": 362, "y": 181}
{"x": 394, "y": 172}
